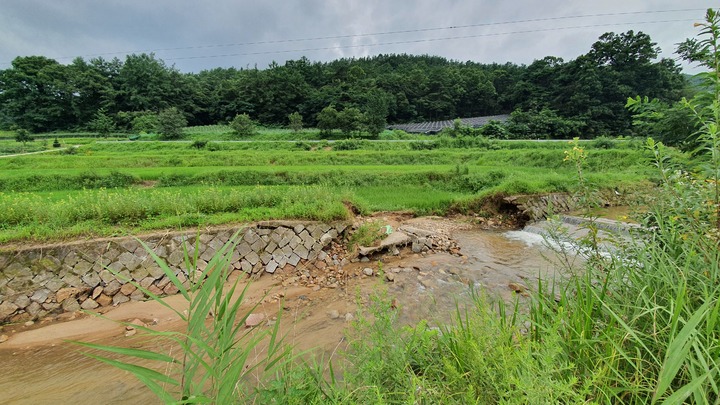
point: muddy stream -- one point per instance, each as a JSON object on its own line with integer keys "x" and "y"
{"x": 39, "y": 367}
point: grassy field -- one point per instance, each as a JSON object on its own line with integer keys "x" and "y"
{"x": 108, "y": 187}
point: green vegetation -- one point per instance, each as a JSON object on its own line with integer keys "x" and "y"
{"x": 171, "y": 123}
{"x": 109, "y": 188}
{"x": 243, "y": 126}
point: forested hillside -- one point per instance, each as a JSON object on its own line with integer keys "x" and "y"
{"x": 582, "y": 97}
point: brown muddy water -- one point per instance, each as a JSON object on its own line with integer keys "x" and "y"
{"x": 424, "y": 287}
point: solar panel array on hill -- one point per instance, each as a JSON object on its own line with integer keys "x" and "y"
{"x": 433, "y": 127}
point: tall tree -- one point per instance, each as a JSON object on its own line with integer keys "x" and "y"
{"x": 35, "y": 94}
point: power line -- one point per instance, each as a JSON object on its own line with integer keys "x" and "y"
{"x": 418, "y": 30}
{"x": 423, "y": 40}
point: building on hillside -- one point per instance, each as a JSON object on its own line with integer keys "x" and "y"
{"x": 433, "y": 127}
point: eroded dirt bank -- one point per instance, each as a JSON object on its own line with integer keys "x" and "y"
{"x": 40, "y": 367}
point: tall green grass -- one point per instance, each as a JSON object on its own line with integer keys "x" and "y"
{"x": 216, "y": 359}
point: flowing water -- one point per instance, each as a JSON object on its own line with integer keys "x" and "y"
{"x": 502, "y": 263}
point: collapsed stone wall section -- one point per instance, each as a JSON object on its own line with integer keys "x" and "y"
{"x": 37, "y": 282}
{"x": 539, "y": 207}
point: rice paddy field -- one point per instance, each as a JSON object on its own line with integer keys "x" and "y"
{"x": 101, "y": 187}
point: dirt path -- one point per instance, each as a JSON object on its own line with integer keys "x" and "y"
{"x": 38, "y": 152}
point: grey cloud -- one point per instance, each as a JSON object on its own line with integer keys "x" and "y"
{"x": 68, "y": 28}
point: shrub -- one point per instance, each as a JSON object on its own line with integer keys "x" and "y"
{"x": 198, "y": 144}
{"x": 171, "y": 123}
{"x": 295, "y": 122}
{"x": 22, "y": 135}
{"x": 243, "y": 126}
{"x": 146, "y": 123}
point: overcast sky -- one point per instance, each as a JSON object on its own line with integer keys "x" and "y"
{"x": 197, "y": 35}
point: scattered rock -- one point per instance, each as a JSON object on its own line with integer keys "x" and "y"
{"x": 29, "y": 323}
{"x": 70, "y": 305}
{"x": 130, "y": 332}
{"x": 89, "y": 304}
{"x": 254, "y": 320}
{"x": 103, "y": 300}
{"x": 4, "y": 338}
{"x": 349, "y": 317}
{"x": 7, "y": 309}
{"x": 389, "y": 277}
{"x": 334, "y": 314}
{"x": 368, "y": 271}
{"x": 518, "y": 288}
{"x": 65, "y": 293}
{"x": 96, "y": 292}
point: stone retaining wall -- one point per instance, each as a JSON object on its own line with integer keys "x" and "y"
{"x": 39, "y": 281}
{"x": 538, "y": 207}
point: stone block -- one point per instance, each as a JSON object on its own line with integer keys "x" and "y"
{"x": 70, "y": 305}
{"x": 118, "y": 299}
{"x": 161, "y": 251}
{"x": 40, "y": 278}
{"x": 170, "y": 289}
{"x": 50, "y": 262}
{"x": 112, "y": 288}
{"x": 302, "y": 252}
{"x": 157, "y": 291}
{"x": 104, "y": 300}
{"x": 163, "y": 282}
{"x": 216, "y": 244}
{"x": 271, "y": 246}
{"x": 276, "y": 236}
{"x": 7, "y": 309}
{"x": 155, "y": 271}
{"x": 124, "y": 276}
{"x": 72, "y": 280}
{"x": 89, "y": 304}
{"x": 252, "y": 257}
{"x": 127, "y": 289}
{"x": 91, "y": 279}
{"x": 246, "y": 266}
{"x": 65, "y": 293}
{"x": 22, "y": 301}
{"x": 128, "y": 244}
{"x": 146, "y": 282}
{"x": 208, "y": 254}
{"x": 54, "y": 284}
{"x": 265, "y": 257}
{"x": 111, "y": 254}
{"x": 293, "y": 259}
{"x": 176, "y": 257}
{"x": 71, "y": 259}
{"x": 258, "y": 245}
{"x": 106, "y": 276}
{"x": 243, "y": 248}
{"x": 139, "y": 273}
{"x": 137, "y": 295}
{"x": 251, "y": 237}
{"x": 271, "y": 266}
{"x": 34, "y": 309}
{"x": 40, "y": 296}
{"x": 129, "y": 261}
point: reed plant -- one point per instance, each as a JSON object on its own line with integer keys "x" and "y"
{"x": 217, "y": 359}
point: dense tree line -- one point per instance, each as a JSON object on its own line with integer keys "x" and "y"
{"x": 585, "y": 96}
